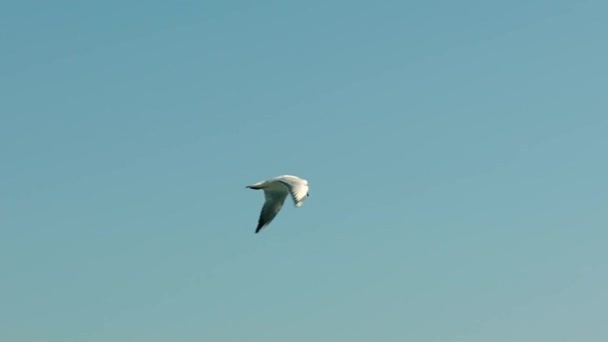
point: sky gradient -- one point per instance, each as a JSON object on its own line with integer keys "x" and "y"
{"x": 456, "y": 155}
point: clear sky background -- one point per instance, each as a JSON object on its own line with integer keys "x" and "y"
{"x": 456, "y": 152}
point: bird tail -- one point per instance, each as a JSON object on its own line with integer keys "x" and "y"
{"x": 256, "y": 186}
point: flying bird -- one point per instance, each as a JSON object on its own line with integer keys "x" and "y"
{"x": 275, "y": 192}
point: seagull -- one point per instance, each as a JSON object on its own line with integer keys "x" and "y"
{"x": 275, "y": 192}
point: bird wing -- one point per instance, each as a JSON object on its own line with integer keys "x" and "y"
{"x": 297, "y": 187}
{"x": 275, "y": 197}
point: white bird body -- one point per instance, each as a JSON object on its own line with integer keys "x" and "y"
{"x": 275, "y": 193}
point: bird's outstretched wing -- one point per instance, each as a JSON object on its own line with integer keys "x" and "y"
{"x": 298, "y": 189}
{"x": 275, "y": 197}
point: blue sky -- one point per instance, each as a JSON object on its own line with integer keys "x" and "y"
{"x": 456, "y": 153}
